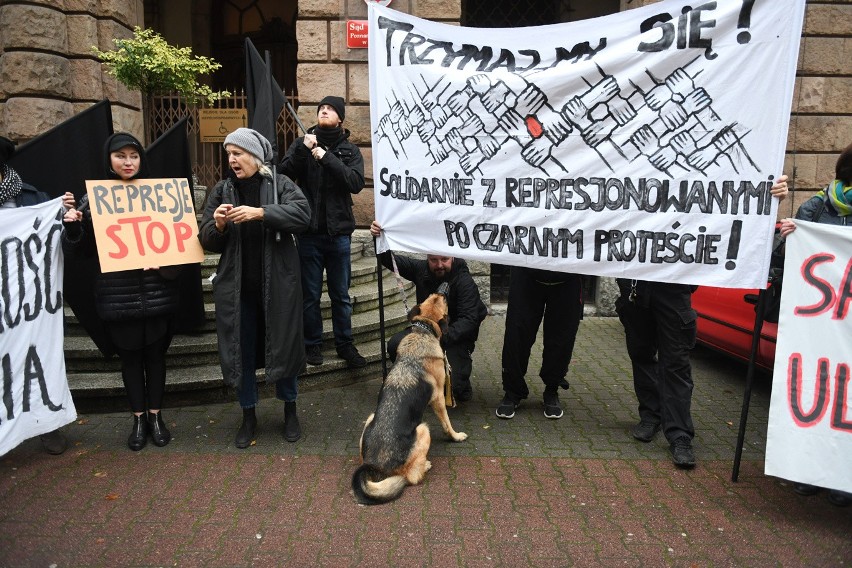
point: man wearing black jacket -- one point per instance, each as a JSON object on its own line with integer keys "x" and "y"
{"x": 329, "y": 169}
{"x": 466, "y": 309}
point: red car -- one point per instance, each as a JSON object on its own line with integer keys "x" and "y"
{"x": 726, "y": 323}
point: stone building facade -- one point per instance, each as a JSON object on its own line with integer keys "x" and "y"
{"x": 48, "y": 72}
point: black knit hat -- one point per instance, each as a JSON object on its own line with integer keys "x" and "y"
{"x": 7, "y": 148}
{"x": 336, "y": 103}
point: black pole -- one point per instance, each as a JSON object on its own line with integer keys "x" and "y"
{"x": 274, "y": 140}
{"x": 755, "y": 343}
{"x": 381, "y": 311}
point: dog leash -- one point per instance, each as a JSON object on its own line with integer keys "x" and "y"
{"x": 399, "y": 282}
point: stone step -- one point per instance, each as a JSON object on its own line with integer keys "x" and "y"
{"x": 203, "y": 383}
{"x": 364, "y": 295}
{"x": 82, "y": 356}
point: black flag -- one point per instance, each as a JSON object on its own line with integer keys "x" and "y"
{"x": 78, "y": 143}
{"x": 168, "y": 157}
{"x": 264, "y": 98}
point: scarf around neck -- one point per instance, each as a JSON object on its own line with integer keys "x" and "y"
{"x": 10, "y": 186}
{"x": 327, "y": 137}
{"x": 840, "y": 197}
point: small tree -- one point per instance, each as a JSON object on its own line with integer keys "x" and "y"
{"x": 148, "y": 63}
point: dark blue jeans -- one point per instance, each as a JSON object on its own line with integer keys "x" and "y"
{"x": 252, "y": 338}
{"x": 318, "y": 252}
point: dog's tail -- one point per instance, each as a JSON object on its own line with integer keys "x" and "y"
{"x": 371, "y": 487}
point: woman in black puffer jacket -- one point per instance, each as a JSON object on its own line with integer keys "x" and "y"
{"x": 136, "y": 306}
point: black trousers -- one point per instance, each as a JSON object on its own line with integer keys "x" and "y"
{"x": 144, "y": 374}
{"x": 660, "y": 327}
{"x": 560, "y": 306}
{"x": 458, "y": 355}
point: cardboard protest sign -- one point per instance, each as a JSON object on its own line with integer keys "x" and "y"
{"x": 35, "y": 395}
{"x": 143, "y": 223}
{"x": 633, "y": 145}
{"x": 809, "y": 438}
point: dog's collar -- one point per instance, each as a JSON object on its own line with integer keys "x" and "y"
{"x": 424, "y": 326}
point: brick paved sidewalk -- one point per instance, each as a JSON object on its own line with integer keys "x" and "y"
{"x": 525, "y": 492}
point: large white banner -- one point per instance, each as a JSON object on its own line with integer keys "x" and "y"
{"x": 35, "y": 395}
{"x": 810, "y": 415}
{"x": 641, "y": 144}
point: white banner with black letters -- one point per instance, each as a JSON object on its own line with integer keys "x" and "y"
{"x": 35, "y": 394}
{"x": 809, "y": 438}
{"x": 641, "y": 144}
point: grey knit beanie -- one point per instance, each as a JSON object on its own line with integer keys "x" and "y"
{"x": 252, "y": 142}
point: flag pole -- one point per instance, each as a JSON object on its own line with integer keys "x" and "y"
{"x": 274, "y": 140}
{"x": 381, "y": 284}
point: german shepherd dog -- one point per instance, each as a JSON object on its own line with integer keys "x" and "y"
{"x": 395, "y": 440}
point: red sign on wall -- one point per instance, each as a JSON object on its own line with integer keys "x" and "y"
{"x": 356, "y": 34}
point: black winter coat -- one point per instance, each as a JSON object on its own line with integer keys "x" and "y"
{"x": 30, "y": 196}
{"x": 466, "y": 308}
{"x": 331, "y": 180}
{"x": 284, "y": 351}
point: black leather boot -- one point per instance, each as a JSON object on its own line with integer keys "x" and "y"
{"x": 139, "y": 435}
{"x": 292, "y": 429}
{"x": 245, "y": 435}
{"x": 159, "y": 433}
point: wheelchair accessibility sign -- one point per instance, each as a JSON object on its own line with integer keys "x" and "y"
{"x": 214, "y": 124}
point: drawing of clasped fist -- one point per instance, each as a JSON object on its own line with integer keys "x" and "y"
{"x": 645, "y": 140}
{"x": 673, "y": 115}
{"x": 663, "y": 158}
{"x": 576, "y": 112}
{"x": 498, "y": 99}
{"x": 530, "y": 101}
{"x": 457, "y": 103}
{"x": 598, "y": 131}
{"x": 397, "y": 116}
{"x": 537, "y": 152}
{"x": 621, "y": 110}
{"x": 601, "y": 92}
{"x": 696, "y": 101}
{"x": 657, "y": 97}
{"x": 680, "y": 83}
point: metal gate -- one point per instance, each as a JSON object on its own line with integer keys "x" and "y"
{"x": 209, "y": 162}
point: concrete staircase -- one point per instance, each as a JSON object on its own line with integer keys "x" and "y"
{"x": 194, "y": 375}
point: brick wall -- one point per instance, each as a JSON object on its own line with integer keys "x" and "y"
{"x": 47, "y": 70}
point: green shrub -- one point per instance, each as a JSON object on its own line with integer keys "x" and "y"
{"x": 148, "y": 63}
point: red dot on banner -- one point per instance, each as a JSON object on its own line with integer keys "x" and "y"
{"x": 534, "y": 126}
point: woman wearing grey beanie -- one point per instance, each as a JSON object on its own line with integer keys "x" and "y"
{"x": 257, "y": 284}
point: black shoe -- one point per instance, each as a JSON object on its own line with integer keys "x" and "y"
{"x": 552, "y": 408}
{"x": 805, "y": 489}
{"x": 349, "y": 354}
{"x": 839, "y": 498}
{"x": 682, "y": 454}
{"x": 313, "y": 355}
{"x": 54, "y": 442}
{"x": 292, "y": 428}
{"x": 645, "y": 431}
{"x": 463, "y": 395}
{"x": 139, "y": 435}
{"x": 507, "y": 407}
{"x": 245, "y": 435}
{"x": 160, "y": 435}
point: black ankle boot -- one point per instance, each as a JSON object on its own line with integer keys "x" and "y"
{"x": 159, "y": 433}
{"x": 139, "y": 435}
{"x": 292, "y": 429}
{"x": 245, "y": 435}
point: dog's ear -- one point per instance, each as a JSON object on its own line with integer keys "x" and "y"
{"x": 415, "y": 311}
